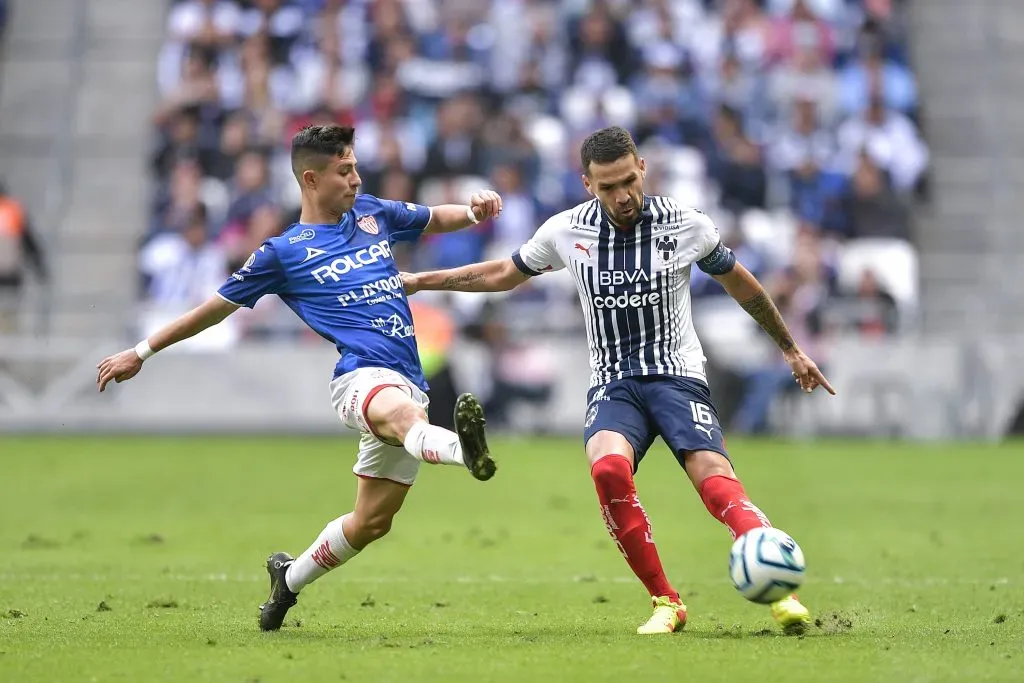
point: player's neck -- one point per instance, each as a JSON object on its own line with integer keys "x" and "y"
{"x": 314, "y": 215}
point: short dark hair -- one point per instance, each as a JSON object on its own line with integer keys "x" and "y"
{"x": 605, "y": 146}
{"x": 313, "y": 146}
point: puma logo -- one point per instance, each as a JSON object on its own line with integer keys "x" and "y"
{"x": 585, "y": 250}
{"x": 706, "y": 430}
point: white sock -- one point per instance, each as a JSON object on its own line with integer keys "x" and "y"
{"x": 330, "y": 550}
{"x": 434, "y": 444}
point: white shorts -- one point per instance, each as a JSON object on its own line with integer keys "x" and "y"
{"x": 351, "y": 393}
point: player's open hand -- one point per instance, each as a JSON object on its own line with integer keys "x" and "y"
{"x": 806, "y": 372}
{"x": 410, "y": 282}
{"x": 120, "y": 367}
{"x": 485, "y": 204}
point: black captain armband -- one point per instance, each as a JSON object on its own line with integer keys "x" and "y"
{"x": 719, "y": 262}
{"x": 521, "y": 265}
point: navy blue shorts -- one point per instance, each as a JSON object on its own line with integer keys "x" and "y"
{"x": 677, "y": 409}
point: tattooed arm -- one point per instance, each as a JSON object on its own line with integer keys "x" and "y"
{"x": 751, "y": 296}
{"x": 489, "y": 276}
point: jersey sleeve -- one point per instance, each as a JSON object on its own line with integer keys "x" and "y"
{"x": 714, "y": 258}
{"x": 539, "y": 254}
{"x": 261, "y": 274}
{"x": 406, "y": 220}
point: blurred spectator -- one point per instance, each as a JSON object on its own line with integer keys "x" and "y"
{"x": 457, "y": 149}
{"x": 601, "y": 55}
{"x": 521, "y": 213}
{"x": 180, "y": 268}
{"x": 249, "y": 188}
{"x": 506, "y": 144}
{"x": 747, "y": 32}
{"x": 178, "y": 201}
{"x": 735, "y": 162}
{"x": 817, "y": 197}
{"x": 674, "y": 104}
{"x": 803, "y": 140}
{"x": 801, "y": 29}
{"x": 195, "y": 87}
{"x": 873, "y": 208}
{"x": 208, "y": 23}
{"x": 220, "y": 161}
{"x": 874, "y": 73}
{"x": 19, "y": 251}
{"x": 281, "y": 21}
{"x": 870, "y": 311}
{"x": 807, "y": 77}
{"x": 741, "y": 89}
{"x": 204, "y": 24}
{"x": 179, "y": 141}
{"x": 889, "y": 138}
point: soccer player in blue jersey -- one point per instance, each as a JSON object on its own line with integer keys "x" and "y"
{"x": 335, "y": 270}
{"x": 630, "y": 255}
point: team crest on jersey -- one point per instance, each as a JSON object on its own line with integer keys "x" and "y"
{"x": 666, "y": 247}
{"x": 368, "y": 224}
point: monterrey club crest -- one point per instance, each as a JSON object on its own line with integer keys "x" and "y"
{"x": 666, "y": 247}
{"x": 368, "y": 224}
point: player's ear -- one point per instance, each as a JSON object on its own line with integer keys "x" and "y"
{"x": 309, "y": 178}
{"x": 643, "y": 168}
{"x": 586, "y": 184}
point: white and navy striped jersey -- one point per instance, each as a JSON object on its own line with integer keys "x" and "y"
{"x": 634, "y": 284}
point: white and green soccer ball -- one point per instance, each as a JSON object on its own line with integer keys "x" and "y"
{"x": 766, "y": 565}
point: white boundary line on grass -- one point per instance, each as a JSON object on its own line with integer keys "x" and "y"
{"x": 224, "y": 577}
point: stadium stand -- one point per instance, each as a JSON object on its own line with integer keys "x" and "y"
{"x": 793, "y": 123}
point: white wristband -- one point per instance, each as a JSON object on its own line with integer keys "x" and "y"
{"x": 143, "y": 350}
{"x": 472, "y": 216}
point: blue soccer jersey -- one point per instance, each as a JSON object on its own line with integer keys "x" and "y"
{"x": 342, "y": 281}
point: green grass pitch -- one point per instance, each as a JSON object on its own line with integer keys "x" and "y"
{"x": 139, "y": 559}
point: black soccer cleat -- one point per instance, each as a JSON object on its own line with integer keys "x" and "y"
{"x": 281, "y": 599}
{"x": 469, "y": 425}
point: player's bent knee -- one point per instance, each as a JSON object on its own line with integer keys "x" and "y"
{"x": 703, "y": 464}
{"x": 404, "y": 416}
{"x": 393, "y": 413}
{"x": 605, "y": 443}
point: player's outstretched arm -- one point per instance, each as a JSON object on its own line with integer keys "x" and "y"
{"x": 489, "y": 276}
{"x": 752, "y": 297}
{"x": 451, "y": 217}
{"x": 126, "y": 364}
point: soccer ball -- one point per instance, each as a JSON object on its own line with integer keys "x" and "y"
{"x": 766, "y": 565}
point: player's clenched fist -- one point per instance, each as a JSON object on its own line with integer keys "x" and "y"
{"x": 485, "y": 204}
{"x": 410, "y": 283}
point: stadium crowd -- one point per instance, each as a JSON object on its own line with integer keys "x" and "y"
{"x": 791, "y": 122}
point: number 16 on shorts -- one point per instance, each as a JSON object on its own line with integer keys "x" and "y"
{"x": 701, "y": 413}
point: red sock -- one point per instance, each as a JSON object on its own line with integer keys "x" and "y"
{"x": 727, "y": 502}
{"x": 628, "y": 524}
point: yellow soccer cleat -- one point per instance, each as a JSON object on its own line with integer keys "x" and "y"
{"x": 668, "y": 617}
{"x": 791, "y": 615}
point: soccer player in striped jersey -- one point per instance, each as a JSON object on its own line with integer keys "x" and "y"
{"x": 630, "y": 255}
